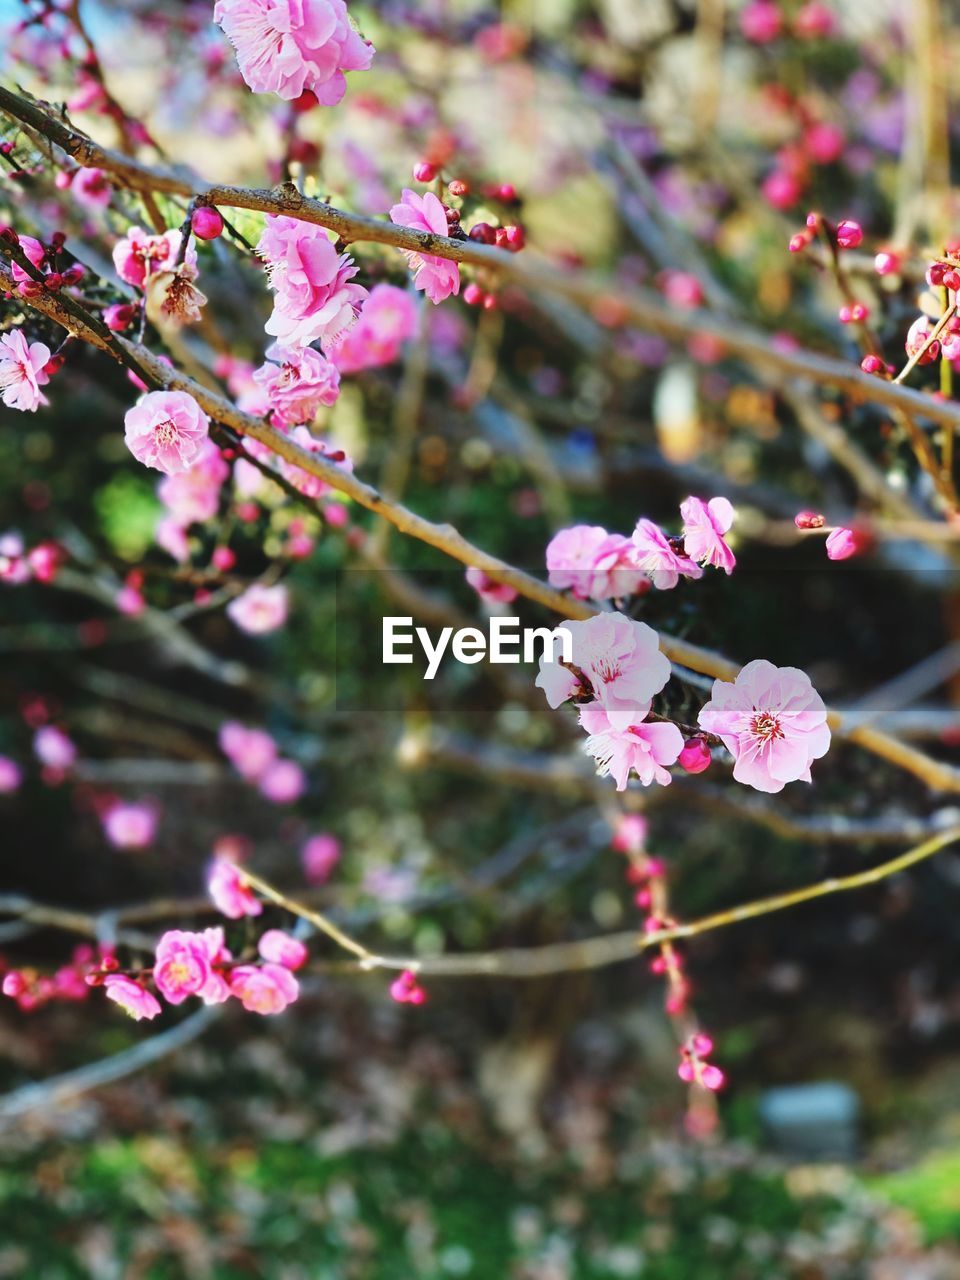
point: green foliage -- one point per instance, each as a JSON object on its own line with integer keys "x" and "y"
{"x": 127, "y": 511}
{"x": 930, "y": 1190}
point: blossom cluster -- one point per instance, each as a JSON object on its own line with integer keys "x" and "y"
{"x": 596, "y": 565}
{"x": 255, "y": 756}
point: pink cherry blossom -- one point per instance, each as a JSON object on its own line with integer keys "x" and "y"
{"x": 630, "y": 834}
{"x": 297, "y": 385}
{"x": 772, "y": 721}
{"x": 172, "y": 299}
{"x": 22, "y": 374}
{"x": 171, "y": 537}
{"x": 133, "y": 998}
{"x": 182, "y": 967}
{"x": 488, "y": 590}
{"x": 657, "y": 557}
{"x": 34, "y": 252}
{"x": 260, "y": 609}
{"x": 636, "y": 747}
{"x": 288, "y": 47}
{"x": 250, "y": 751}
{"x": 283, "y": 783}
{"x": 388, "y": 319}
{"x": 282, "y": 948}
{"x": 309, "y": 485}
{"x": 166, "y": 430}
{"x": 140, "y": 254}
{"x": 319, "y": 856}
{"x": 91, "y": 188}
{"x": 53, "y": 748}
{"x": 11, "y": 776}
{"x": 313, "y": 297}
{"x": 437, "y": 277}
{"x": 704, "y": 524}
{"x": 229, "y": 892}
{"x": 265, "y": 989}
{"x": 130, "y": 826}
{"x": 571, "y": 554}
{"x": 620, "y": 658}
{"x": 918, "y": 336}
{"x": 194, "y": 496}
{"x": 216, "y": 989}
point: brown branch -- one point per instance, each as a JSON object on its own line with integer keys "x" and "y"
{"x": 641, "y": 308}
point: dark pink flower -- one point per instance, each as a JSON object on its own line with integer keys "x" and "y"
{"x": 132, "y": 998}
{"x": 437, "y": 277}
{"x": 264, "y": 989}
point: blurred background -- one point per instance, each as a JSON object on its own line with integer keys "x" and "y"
{"x": 532, "y": 1129}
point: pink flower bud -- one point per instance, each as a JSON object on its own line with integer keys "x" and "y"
{"x": 799, "y": 242}
{"x": 872, "y": 364}
{"x": 515, "y": 238}
{"x": 824, "y": 143}
{"x": 282, "y": 948}
{"x": 844, "y": 543}
{"x": 483, "y": 233}
{"x": 809, "y": 520}
{"x": 849, "y": 234}
{"x": 781, "y": 189}
{"x": 695, "y": 756}
{"x": 814, "y": 21}
{"x": 845, "y": 314}
{"x": 457, "y": 187}
{"x": 951, "y": 280}
{"x": 120, "y": 315}
{"x": 711, "y": 1077}
{"x": 859, "y": 312}
{"x": 223, "y": 559}
{"x": 935, "y": 273}
{"x": 14, "y": 984}
{"x": 760, "y": 21}
{"x": 206, "y": 223}
{"x": 507, "y": 192}
{"x": 473, "y": 295}
{"x": 701, "y": 1044}
{"x": 886, "y": 263}
{"x": 73, "y": 275}
{"x": 424, "y": 171}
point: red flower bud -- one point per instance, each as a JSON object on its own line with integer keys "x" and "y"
{"x": 206, "y": 223}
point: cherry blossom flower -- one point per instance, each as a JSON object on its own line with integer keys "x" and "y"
{"x": 35, "y": 254}
{"x": 260, "y": 608}
{"x": 130, "y": 826}
{"x": 571, "y": 554}
{"x": 182, "y": 966}
{"x": 657, "y": 557}
{"x": 53, "y": 748}
{"x": 91, "y": 188}
{"x": 229, "y": 892}
{"x": 704, "y": 524}
{"x": 173, "y": 300}
{"x": 171, "y": 537}
{"x": 314, "y": 300}
{"x": 297, "y": 385}
{"x": 312, "y": 486}
{"x": 140, "y": 254}
{"x": 265, "y": 989}
{"x": 635, "y": 747}
{"x": 133, "y": 998}
{"x": 488, "y": 590}
{"x": 166, "y": 430}
{"x": 620, "y": 658}
{"x": 319, "y": 856}
{"x": 918, "y": 335}
{"x": 289, "y": 47}
{"x": 250, "y": 751}
{"x": 194, "y": 496}
{"x": 283, "y": 783}
{"x": 772, "y": 721}
{"x": 22, "y": 373}
{"x": 281, "y": 948}
{"x": 630, "y": 835}
{"x": 388, "y": 319}
{"x": 11, "y": 776}
{"x": 437, "y": 277}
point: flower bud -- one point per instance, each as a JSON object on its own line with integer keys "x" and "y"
{"x": 844, "y": 543}
{"x": 424, "y": 171}
{"x": 886, "y": 263}
{"x": 223, "y": 559}
{"x": 473, "y": 294}
{"x": 483, "y": 233}
{"x": 809, "y": 520}
{"x": 206, "y": 223}
{"x": 73, "y": 275}
{"x": 515, "y": 239}
{"x": 14, "y": 984}
{"x": 872, "y": 364}
{"x": 119, "y": 315}
{"x": 695, "y": 756}
{"x": 458, "y": 187}
{"x": 849, "y": 234}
